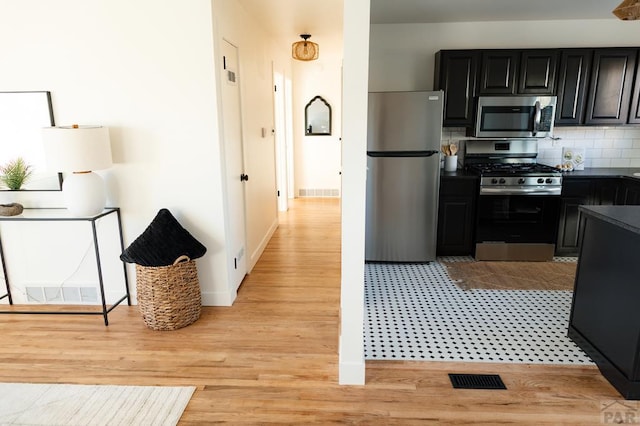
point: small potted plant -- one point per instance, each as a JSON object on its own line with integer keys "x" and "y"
{"x": 13, "y": 175}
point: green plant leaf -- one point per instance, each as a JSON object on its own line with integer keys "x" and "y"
{"x": 15, "y": 173}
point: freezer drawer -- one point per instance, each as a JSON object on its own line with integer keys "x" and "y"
{"x": 402, "y": 208}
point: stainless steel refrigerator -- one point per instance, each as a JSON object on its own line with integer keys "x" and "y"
{"x": 403, "y": 176}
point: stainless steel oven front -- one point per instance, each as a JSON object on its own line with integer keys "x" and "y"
{"x": 516, "y": 227}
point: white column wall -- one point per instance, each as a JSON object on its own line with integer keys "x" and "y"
{"x": 356, "y": 60}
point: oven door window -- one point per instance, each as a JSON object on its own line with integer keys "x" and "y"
{"x": 507, "y": 118}
{"x": 517, "y": 218}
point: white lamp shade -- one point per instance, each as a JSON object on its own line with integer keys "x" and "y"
{"x": 77, "y": 148}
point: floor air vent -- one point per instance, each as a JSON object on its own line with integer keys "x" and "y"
{"x": 476, "y": 381}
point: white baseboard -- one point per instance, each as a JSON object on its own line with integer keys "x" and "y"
{"x": 255, "y": 256}
{"x": 351, "y": 373}
{"x": 216, "y": 298}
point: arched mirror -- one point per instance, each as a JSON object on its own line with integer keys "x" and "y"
{"x": 317, "y": 117}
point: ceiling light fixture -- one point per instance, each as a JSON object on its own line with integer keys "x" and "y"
{"x": 305, "y": 50}
{"x": 628, "y": 10}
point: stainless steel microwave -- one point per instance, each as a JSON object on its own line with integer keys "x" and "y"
{"x": 515, "y": 117}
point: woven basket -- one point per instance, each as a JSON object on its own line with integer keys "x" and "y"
{"x": 169, "y": 296}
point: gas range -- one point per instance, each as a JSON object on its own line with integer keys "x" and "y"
{"x": 519, "y": 200}
{"x": 509, "y": 167}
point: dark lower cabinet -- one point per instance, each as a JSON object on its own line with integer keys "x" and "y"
{"x": 605, "y": 320}
{"x": 630, "y": 193}
{"x": 575, "y": 193}
{"x": 456, "y": 216}
{"x": 578, "y": 192}
{"x": 606, "y": 191}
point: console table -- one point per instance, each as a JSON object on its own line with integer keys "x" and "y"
{"x": 62, "y": 215}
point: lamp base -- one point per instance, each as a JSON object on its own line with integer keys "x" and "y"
{"x": 84, "y": 193}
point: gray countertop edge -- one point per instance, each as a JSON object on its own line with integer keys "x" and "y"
{"x": 604, "y": 172}
{"x": 626, "y": 217}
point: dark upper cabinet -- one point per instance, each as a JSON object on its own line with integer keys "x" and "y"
{"x": 538, "y": 72}
{"x": 593, "y": 86}
{"x": 498, "y": 73}
{"x": 456, "y": 73}
{"x": 634, "y": 113}
{"x": 510, "y": 72}
{"x": 609, "y": 96}
{"x": 573, "y": 79}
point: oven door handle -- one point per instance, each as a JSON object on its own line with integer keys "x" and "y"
{"x": 537, "y": 116}
{"x": 520, "y": 191}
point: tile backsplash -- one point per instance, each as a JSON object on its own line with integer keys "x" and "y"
{"x": 604, "y": 146}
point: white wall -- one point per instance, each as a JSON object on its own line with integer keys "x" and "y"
{"x": 317, "y": 158}
{"x": 402, "y": 56}
{"x": 146, "y": 70}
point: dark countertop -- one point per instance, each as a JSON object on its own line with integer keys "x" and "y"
{"x": 460, "y": 173}
{"x": 595, "y": 172}
{"x": 626, "y": 217}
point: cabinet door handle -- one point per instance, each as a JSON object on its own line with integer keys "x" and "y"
{"x": 244, "y": 177}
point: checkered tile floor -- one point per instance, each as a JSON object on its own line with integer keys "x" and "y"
{"x": 415, "y": 312}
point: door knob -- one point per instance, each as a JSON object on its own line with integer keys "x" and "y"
{"x": 244, "y": 177}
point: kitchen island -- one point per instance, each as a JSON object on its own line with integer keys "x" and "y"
{"x": 605, "y": 316}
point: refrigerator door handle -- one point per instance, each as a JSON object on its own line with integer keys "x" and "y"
{"x": 428, "y": 153}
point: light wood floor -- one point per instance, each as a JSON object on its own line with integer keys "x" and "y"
{"x": 272, "y": 356}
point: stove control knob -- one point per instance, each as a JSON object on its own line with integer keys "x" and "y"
{"x": 540, "y": 180}
{"x": 502, "y": 180}
{"x": 521, "y": 180}
{"x": 549, "y": 180}
{"x": 494, "y": 181}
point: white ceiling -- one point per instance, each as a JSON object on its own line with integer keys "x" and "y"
{"x": 289, "y": 18}
{"x": 323, "y": 18}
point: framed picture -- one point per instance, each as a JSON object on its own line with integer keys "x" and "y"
{"x": 22, "y": 117}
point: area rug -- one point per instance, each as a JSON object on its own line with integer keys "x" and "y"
{"x": 512, "y": 275}
{"x": 54, "y": 404}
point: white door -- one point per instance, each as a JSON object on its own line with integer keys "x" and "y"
{"x": 234, "y": 163}
{"x": 288, "y": 115}
{"x": 281, "y": 140}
